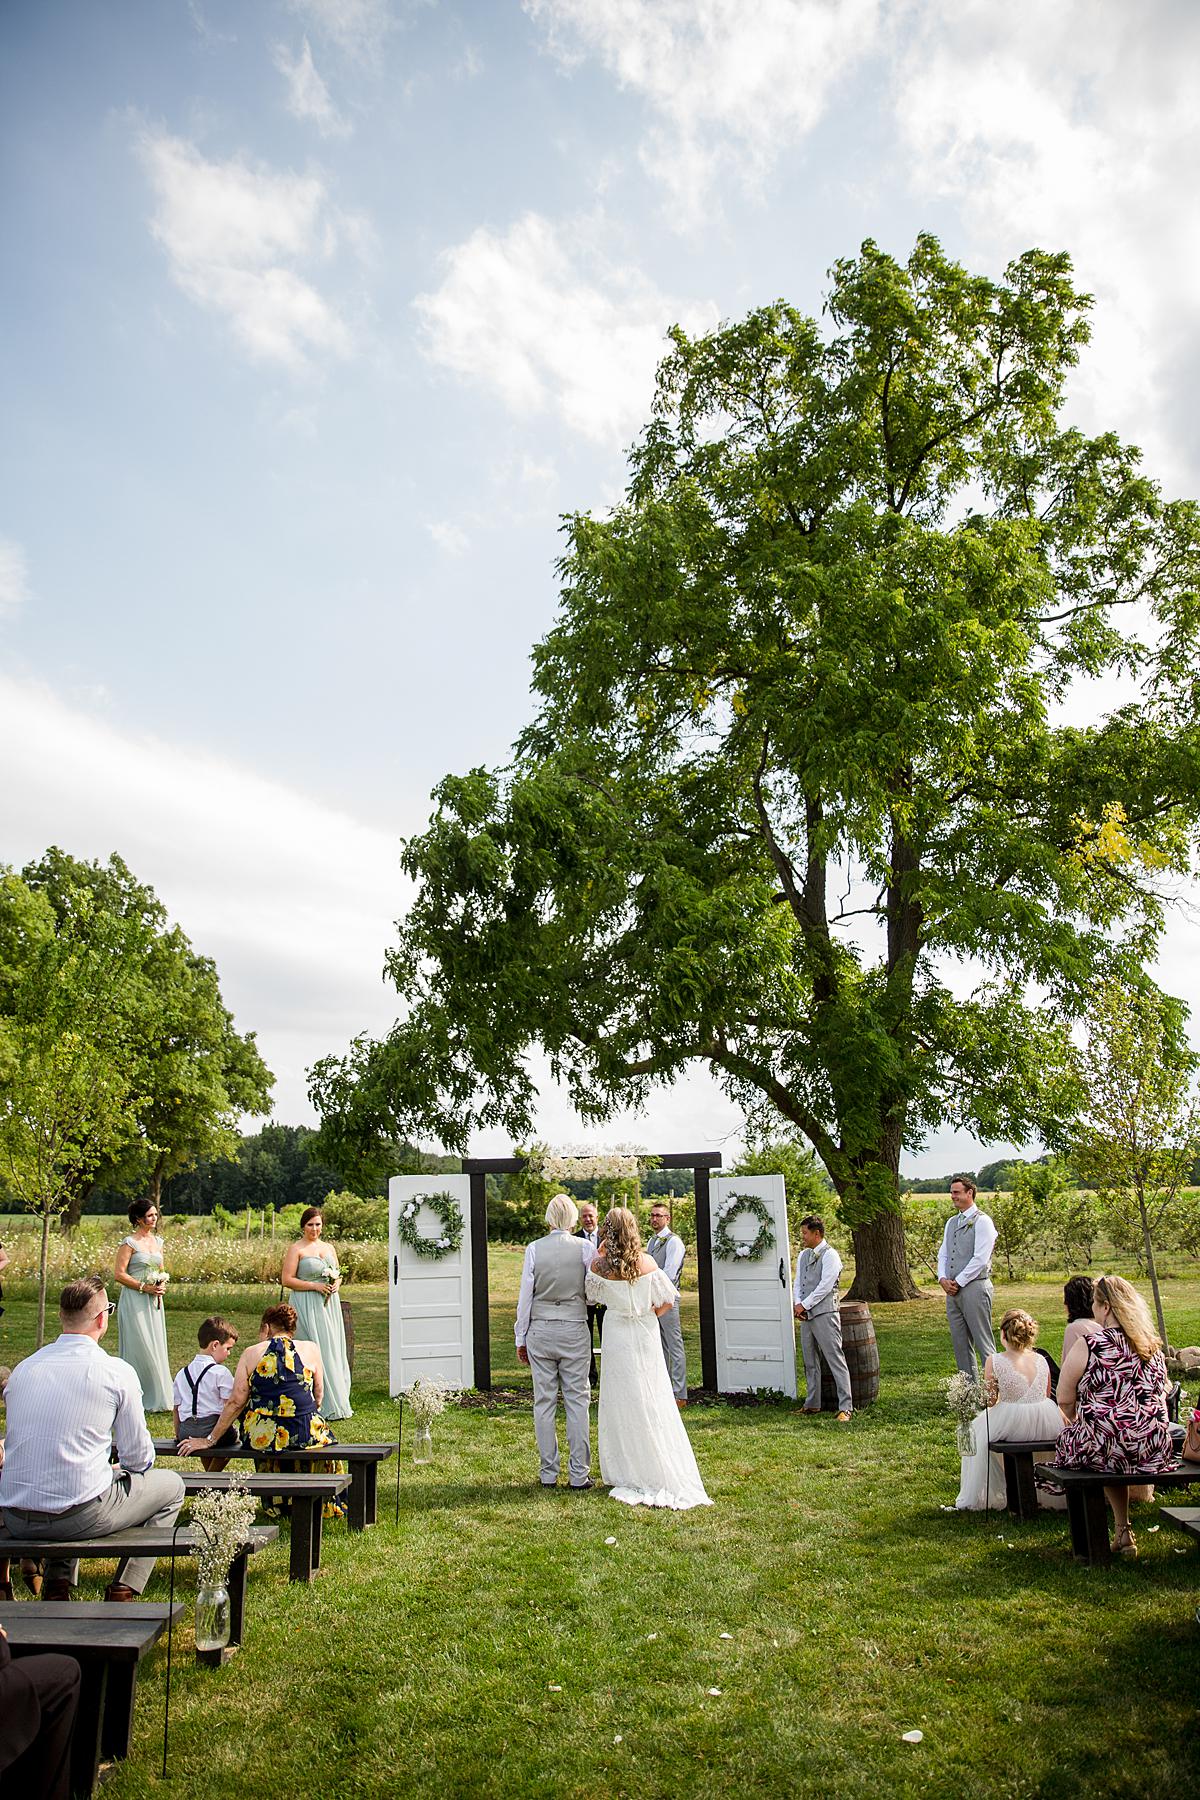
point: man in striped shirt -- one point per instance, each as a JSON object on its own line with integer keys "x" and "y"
{"x": 67, "y": 1405}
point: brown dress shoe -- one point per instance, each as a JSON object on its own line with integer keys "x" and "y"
{"x": 57, "y": 1590}
{"x": 32, "y": 1570}
{"x": 6, "y": 1592}
{"x": 118, "y": 1591}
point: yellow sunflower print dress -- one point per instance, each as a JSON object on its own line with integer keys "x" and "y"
{"x": 282, "y": 1413}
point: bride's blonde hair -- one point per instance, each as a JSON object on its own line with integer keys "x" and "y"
{"x": 622, "y": 1245}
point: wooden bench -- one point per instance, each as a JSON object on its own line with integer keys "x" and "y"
{"x": 306, "y": 1496}
{"x": 108, "y": 1642}
{"x": 1020, "y": 1491}
{"x": 1087, "y": 1513}
{"x": 362, "y": 1460}
{"x": 182, "y": 1541}
{"x": 1186, "y": 1517}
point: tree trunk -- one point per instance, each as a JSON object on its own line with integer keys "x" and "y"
{"x": 1152, "y": 1271}
{"x": 45, "y": 1257}
{"x": 72, "y": 1213}
{"x": 880, "y": 1261}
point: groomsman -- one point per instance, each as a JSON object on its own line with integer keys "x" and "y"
{"x": 552, "y": 1341}
{"x": 815, "y": 1297}
{"x": 668, "y": 1251}
{"x": 965, "y": 1275}
{"x": 589, "y": 1228}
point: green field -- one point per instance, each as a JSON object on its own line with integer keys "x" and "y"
{"x": 492, "y": 1643}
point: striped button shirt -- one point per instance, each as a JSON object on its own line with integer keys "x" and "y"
{"x": 67, "y": 1405}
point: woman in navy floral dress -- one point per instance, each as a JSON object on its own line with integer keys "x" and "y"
{"x": 1113, "y": 1390}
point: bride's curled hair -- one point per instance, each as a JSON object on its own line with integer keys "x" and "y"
{"x": 622, "y": 1245}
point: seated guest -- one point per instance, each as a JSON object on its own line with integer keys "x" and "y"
{"x": 1077, "y": 1298}
{"x": 278, "y": 1388}
{"x": 1113, "y": 1391}
{"x": 1019, "y": 1406}
{"x": 68, "y": 1404}
{"x": 202, "y": 1388}
{"x": 39, "y": 1698}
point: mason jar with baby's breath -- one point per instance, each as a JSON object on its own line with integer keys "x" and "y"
{"x": 428, "y": 1397}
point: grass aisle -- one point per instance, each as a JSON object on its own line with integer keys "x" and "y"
{"x": 493, "y": 1644}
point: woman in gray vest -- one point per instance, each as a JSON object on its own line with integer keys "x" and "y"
{"x": 554, "y": 1343}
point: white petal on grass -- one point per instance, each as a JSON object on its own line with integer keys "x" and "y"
{"x": 912, "y": 1737}
{"x": 715, "y": 1692}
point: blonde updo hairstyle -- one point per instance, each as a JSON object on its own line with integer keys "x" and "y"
{"x": 1129, "y": 1312}
{"x": 1019, "y": 1329}
{"x": 622, "y": 1245}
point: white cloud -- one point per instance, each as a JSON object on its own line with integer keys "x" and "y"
{"x": 540, "y": 316}
{"x": 233, "y": 234}
{"x": 293, "y": 899}
{"x": 730, "y": 84}
{"x": 450, "y": 538}
{"x": 14, "y": 576}
{"x": 1075, "y": 127}
{"x": 359, "y": 28}
{"x": 308, "y": 97}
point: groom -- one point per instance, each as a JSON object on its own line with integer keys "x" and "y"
{"x": 553, "y": 1341}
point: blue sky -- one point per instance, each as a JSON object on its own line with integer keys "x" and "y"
{"x": 319, "y": 313}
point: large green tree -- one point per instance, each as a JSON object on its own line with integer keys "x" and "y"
{"x": 810, "y": 796}
{"x": 190, "y": 1076}
{"x": 68, "y": 986}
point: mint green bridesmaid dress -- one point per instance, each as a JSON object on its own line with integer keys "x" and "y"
{"x": 323, "y": 1325}
{"x": 142, "y": 1329}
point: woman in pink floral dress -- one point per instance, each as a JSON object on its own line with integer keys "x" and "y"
{"x": 1113, "y": 1390}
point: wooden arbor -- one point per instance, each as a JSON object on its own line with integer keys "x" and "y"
{"x": 701, "y": 1163}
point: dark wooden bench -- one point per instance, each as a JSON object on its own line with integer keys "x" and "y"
{"x": 306, "y": 1496}
{"x": 108, "y": 1642}
{"x": 1020, "y": 1491}
{"x": 158, "y": 1543}
{"x": 362, "y": 1460}
{"x": 1186, "y": 1517}
{"x": 1087, "y": 1513}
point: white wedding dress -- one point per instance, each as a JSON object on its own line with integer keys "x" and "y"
{"x": 1024, "y": 1411}
{"x": 645, "y": 1454}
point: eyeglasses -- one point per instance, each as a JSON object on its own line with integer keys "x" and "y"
{"x": 111, "y": 1308}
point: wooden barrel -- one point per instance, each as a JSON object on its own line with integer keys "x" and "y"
{"x": 348, "y": 1326}
{"x": 862, "y": 1358}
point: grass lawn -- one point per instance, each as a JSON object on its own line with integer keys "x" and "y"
{"x": 493, "y": 1643}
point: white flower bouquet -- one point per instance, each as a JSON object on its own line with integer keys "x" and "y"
{"x": 222, "y": 1517}
{"x": 429, "y": 1396}
{"x": 966, "y": 1398}
{"x": 158, "y": 1282}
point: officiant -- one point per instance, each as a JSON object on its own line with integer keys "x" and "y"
{"x": 815, "y": 1304}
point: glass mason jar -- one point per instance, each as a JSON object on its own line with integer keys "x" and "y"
{"x": 212, "y": 1616}
{"x": 423, "y": 1442}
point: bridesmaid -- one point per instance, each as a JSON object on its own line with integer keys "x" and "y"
{"x": 310, "y": 1270}
{"x": 141, "y": 1317}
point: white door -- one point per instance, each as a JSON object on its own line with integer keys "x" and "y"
{"x": 752, "y": 1299}
{"x": 430, "y": 1300}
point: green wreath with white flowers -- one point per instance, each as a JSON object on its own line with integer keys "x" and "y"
{"x": 727, "y": 1248}
{"x": 447, "y": 1240}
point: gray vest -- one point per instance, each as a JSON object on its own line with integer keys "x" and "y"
{"x": 811, "y": 1271}
{"x": 558, "y": 1275}
{"x": 656, "y": 1250}
{"x": 961, "y": 1247}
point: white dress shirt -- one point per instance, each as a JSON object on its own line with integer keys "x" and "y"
{"x": 831, "y": 1270}
{"x": 587, "y": 1251}
{"x": 67, "y": 1405}
{"x": 673, "y": 1261}
{"x": 985, "y": 1243}
{"x": 214, "y": 1384}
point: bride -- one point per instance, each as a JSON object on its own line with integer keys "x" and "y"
{"x": 645, "y": 1454}
{"x": 1021, "y": 1410}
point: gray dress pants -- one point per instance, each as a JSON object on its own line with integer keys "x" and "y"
{"x": 133, "y": 1500}
{"x": 559, "y": 1352}
{"x": 670, "y": 1330}
{"x": 969, "y": 1313}
{"x": 824, "y": 1333}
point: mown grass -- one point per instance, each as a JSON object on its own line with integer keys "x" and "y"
{"x": 492, "y": 1643}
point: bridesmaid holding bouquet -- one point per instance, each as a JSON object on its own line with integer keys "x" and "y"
{"x": 141, "y": 1316}
{"x": 310, "y": 1270}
